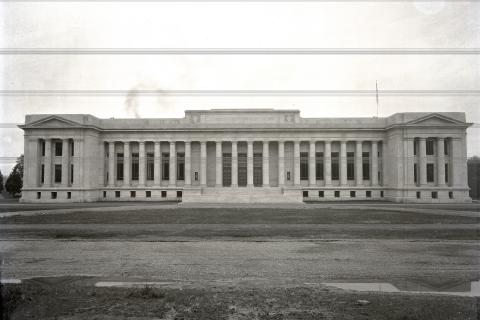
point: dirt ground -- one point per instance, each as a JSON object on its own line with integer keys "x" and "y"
{"x": 234, "y": 263}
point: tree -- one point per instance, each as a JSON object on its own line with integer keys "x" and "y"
{"x": 14, "y": 182}
{"x": 1, "y": 181}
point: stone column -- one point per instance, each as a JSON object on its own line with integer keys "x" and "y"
{"x": 374, "y": 159}
{"x": 172, "y": 182}
{"x": 188, "y": 163}
{"x": 296, "y": 163}
{"x": 141, "y": 164}
{"x": 312, "y": 178}
{"x": 65, "y": 157}
{"x": 218, "y": 164}
{"x": 440, "y": 162}
{"x": 249, "y": 163}
{"x": 234, "y": 164}
{"x": 111, "y": 163}
{"x": 203, "y": 163}
{"x": 327, "y": 163}
{"x": 126, "y": 163}
{"x": 358, "y": 164}
{"x": 343, "y": 163}
{"x": 47, "y": 161}
{"x": 266, "y": 164}
{"x": 156, "y": 163}
{"x": 422, "y": 161}
{"x": 77, "y": 162}
{"x": 281, "y": 163}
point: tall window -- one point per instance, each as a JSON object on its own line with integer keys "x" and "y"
{"x": 135, "y": 166}
{"x": 42, "y": 175}
{"x": 165, "y": 166}
{"x": 58, "y": 149}
{"x": 58, "y": 173}
{"x": 119, "y": 166}
{"x": 430, "y": 147}
{"x": 72, "y": 148}
{"x": 180, "y": 166}
{"x": 350, "y": 166}
{"x": 446, "y": 147}
{"x": 415, "y": 174}
{"x": 71, "y": 173}
{"x": 150, "y": 166}
{"x": 303, "y": 165}
{"x": 415, "y": 143}
{"x": 335, "y": 169}
{"x": 319, "y": 165}
{"x": 366, "y": 165}
{"x": 42, "y": 144}
{"x": 430, "y": 172}
{"x": 446, "y": 172}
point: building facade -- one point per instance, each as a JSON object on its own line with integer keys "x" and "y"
{"x": 246, "y": 155}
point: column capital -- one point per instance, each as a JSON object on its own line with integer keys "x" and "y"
{"x": 359, "y": 141}
{"x": 141, "y": 142}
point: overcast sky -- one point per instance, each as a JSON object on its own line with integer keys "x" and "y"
{"x": 356, "y": 24}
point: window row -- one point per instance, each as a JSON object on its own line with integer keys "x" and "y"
{"x": 57, "y": 148}
{"x": 430, "y": 146}
{"x": 430, "y": 170}
{"x": 147, "y": 194}
{"x": 57, "y": 173}
{"x": 336, "y": 194}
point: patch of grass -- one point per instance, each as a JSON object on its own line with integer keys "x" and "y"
{"x": 147, "y": 292}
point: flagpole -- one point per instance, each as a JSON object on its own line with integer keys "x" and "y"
{"x": 376, "y": 91}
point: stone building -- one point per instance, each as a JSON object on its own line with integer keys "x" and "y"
{"x": 246, "y": 155}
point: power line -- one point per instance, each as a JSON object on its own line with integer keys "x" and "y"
{"x": 239, "y": 51}
{"x": 354, "y": 93}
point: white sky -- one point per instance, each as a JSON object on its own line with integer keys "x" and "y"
{"x": 402, "y": 24}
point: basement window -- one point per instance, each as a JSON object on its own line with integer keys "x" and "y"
{"x": 305, "y": 194}
{"x": 69, "y": 195}
{"x": 164, "y": 194}
{"x": 39, "y": 195}
{"x": 117, "y": 194}
{"x": 321, "y": 194}
{"x": 418, "y": 195}
{"x": 450, "y": 194}
{"x": 54, "y": 195}
{"x": 148, "y": 194}
{"x": 353, "y": 194}
{"x": 368, "y": 194}
{"x": 434, "y": 195}
{"x": 337, "y": 194}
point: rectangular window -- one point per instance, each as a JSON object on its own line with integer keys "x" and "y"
{"x": 446, "y": 172}
{"x": 72, "y": 148}
{"x": 58, "y": 149}
{"x": 446, "y": 147}
{"x": 148, "y": 194}
{"x": 135, "y": 166}
{"x": 227, "y": 169}
{"x": 69, "y": 195}
{"x": 119, "y": 166}
{"x": 150, "y": 166}
{"x": 350, "y": 166}
{"x": 133, "y": 194}
{"x": 39, "y": 195}
{"x": 335, "y": 168}
{"x": 319, "y": 165}
{"x": 288, "y": 175}
{"x": 165, "y": 166}
{"x": 415, "y": 142}
{"x": 42, "y": 175}
{"x": 58, "y": 173}
{"x": 337, "y": 194}
{"x": 53, "y": 195}
{"x": 117, "y": 194}
{"x": 196, "y": 176}
{"x": 305, "y": 194}
{"x": 43, "y": 148}
{"x": 321, "y": 194}
{"x": 418, "y": 195}
{"x": 430, "y": 147}
{"x": 303, "y": 165}
{"x": 104, "y": 194}
{"x": 71, "y": 173}
{"x": 415, "y": 174}
{"x": 450, "y": 194}
{"x": 381, "y": 194}
{"x": 353, "y": 194}
{"x": 434, "y": 194}
{"x": 366, "y": 165}
{"x": 180, "y": 166}
{"x": 368, "y": 194}
{"x": 164, "y": 194}
{"x": 430, "y": 172}
{"x": 179, "y": 194}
